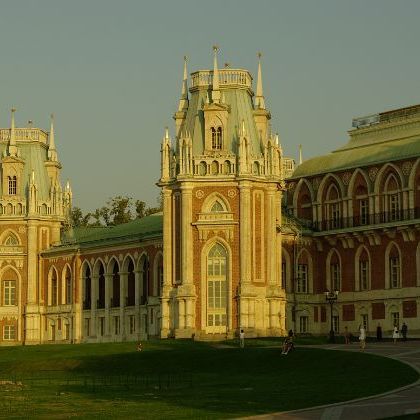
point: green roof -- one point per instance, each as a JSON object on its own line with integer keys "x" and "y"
{"x": 354, "y": 155}
{"x": 240, "y": 109}
{"x": 34, "y": 155}
{"x": 136, "y": 230}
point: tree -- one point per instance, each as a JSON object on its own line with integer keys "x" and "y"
{"x": 120, "y": 209}
{"x": 77, "y": 219}
{"x": 140, "y": 208}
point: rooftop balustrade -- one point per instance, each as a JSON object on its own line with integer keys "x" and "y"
{"x": 24, "y": 134}
{"x": 227, "y": 77}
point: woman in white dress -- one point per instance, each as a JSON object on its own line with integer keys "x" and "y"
{"x": 395, "y": 334}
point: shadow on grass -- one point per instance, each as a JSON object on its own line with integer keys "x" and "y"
{"x": 176, "y": 379}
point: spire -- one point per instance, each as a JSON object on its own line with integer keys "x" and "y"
{"x": 259, "y": 97}
{"x": 216, "y": 92}
{"x": 52, "y": 153}
{"x": 183, "y": 102}
{"x": 300, "y": 154}
{"x": 12, "y": 142}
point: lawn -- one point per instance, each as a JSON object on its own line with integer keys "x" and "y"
{"x": 184, "y": 379}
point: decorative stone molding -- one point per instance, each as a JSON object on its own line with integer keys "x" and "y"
{"x": 199, "y": 194}
{"x": 346, "y": 178}
{"x": 232, "y": 193}
{"x": 372, "y": 173}
{"x": 406, "y": 167}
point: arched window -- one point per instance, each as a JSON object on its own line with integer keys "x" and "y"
{"x": 334, "y": 271}
{"x": 9, "y": 292}
{"x": 394, "y": 271}
{"x": 217, "y": 288}
{"x": 115, "y": 301}
{"x": 364, "y": 271}
{"x": 131, "y": 284}
{"x": 68, "y": 287}
{"x": 216, "y": 138}
{"x": 54, "y": 288}
{"x": 333, "y": 208}
{"x": 88, "y": 289}
{"x": 214, "y": 168}
{"x": 101, "y": 288}
{"x": 12, "y": 183}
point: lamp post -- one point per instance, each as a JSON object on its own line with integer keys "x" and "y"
{"x": 331, "y": 297}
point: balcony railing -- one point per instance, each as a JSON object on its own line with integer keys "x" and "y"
{"x": 366, "y": 220}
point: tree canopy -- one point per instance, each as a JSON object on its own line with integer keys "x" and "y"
{"x": 117, "y": 210}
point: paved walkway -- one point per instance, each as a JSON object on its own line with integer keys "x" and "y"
{"x": 402, "y": 401}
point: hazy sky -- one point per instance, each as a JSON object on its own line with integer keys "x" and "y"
{"x": 111, "y": 73}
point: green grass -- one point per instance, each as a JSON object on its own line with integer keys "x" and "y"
{"x": 181, "y": 379}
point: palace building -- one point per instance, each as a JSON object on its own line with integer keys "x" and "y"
{"x": 245, "y": 240}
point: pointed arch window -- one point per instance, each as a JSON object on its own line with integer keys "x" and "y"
{"x": 12, "y": 184}
{"x": 217, "y": 288}
{"x": 54, "y": 288}
{"x": 68, "y": 287}
{"x": 216, "y": 138}
{"x": 335, "y": 276}
{"x": 394, "y": 272}
{"x": 364, "y": 274}
{"x": 9, "y": 293}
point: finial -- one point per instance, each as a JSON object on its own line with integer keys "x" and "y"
{"x": 33, "y": 176}
{"x": 243, "y": 128}
{"x": 227, "y": 65}
{"x": 12, "y": 118}
{"x": 166, "y": 133}
{"x": 183, "y": 102}
{"x": 277, "y": 139}
{"x": 216, "y": 92}
{"x": 300, "y": 154}
{"x": 12, "y": 143}
{"x": 52, "y": 153}
{"x": 259, "y": 95}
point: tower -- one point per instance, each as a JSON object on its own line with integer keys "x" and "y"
{"x": 33, "y": 207}
{"x": 222, "y": 182}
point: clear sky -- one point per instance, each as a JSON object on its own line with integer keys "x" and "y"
{"x": 111, "y": 73}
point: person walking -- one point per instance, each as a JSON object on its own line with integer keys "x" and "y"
{"x": 404, "y": 330}
{"x": 362, "y": 337}
{"x": 395, "y": 334}
{"x": 242, "y": 339}
{"x": 346, "y": 335}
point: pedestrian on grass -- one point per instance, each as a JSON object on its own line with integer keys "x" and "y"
{"x": 139, "y": 346}
{"x": 395, "y": 334}
{"x": 404, "y": 330}
{"x": 379, "y": 333}
{"x": 362, "y": 337}
{"x": 242, "y": 339}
